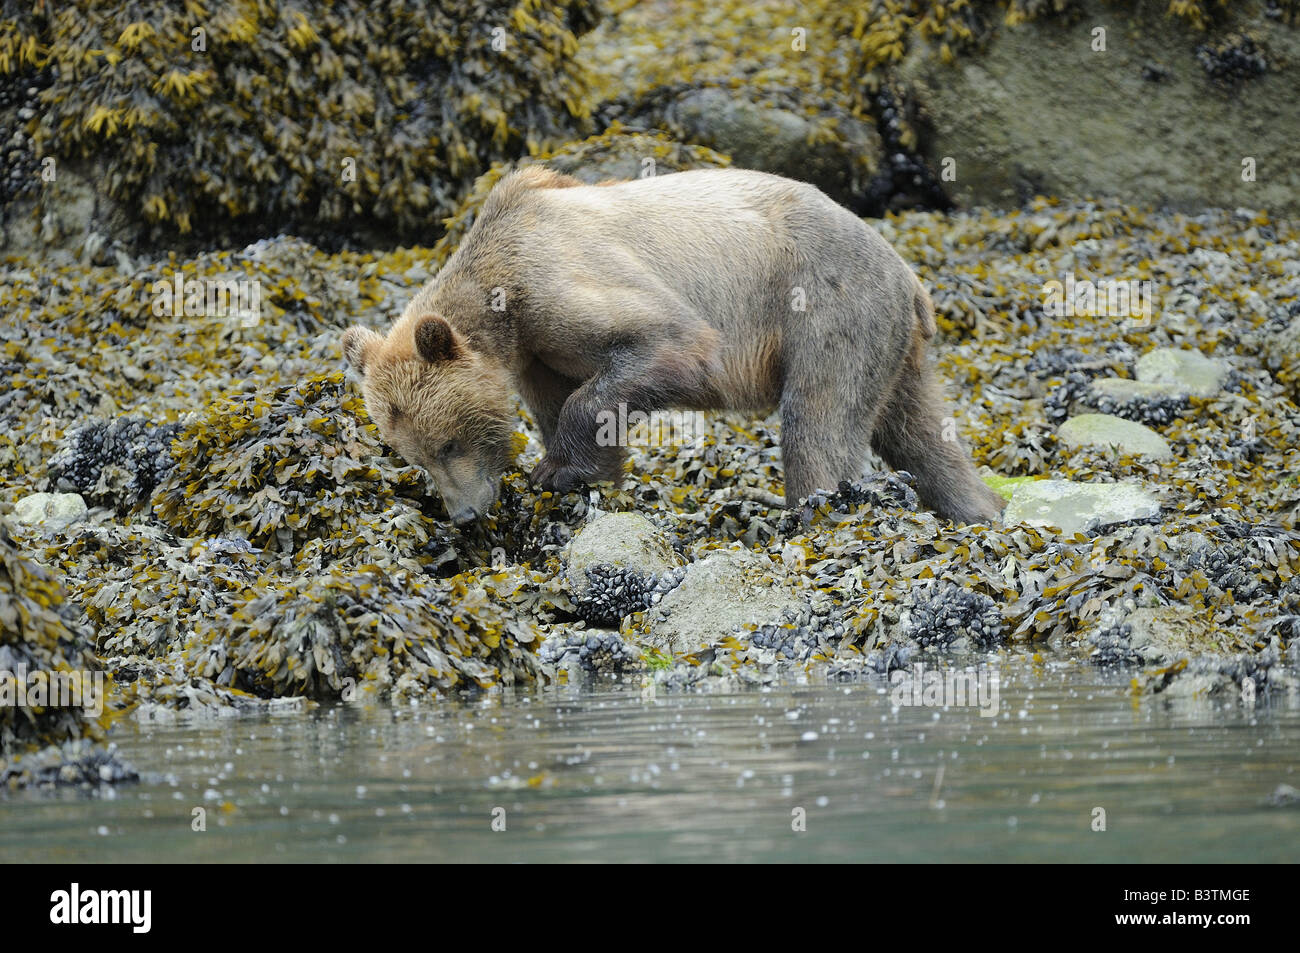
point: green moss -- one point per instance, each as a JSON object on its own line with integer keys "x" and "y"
{"x": 1006, "y": 486}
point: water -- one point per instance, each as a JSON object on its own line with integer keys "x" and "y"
{"x": 605, "y": 775}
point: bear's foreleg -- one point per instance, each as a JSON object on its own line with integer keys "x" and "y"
{"x": 646, "y": 373}
{"x": 544, "y": 392}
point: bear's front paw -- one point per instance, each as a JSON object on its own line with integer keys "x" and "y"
{"x": 551, "y": 474}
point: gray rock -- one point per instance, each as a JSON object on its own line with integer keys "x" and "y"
{"x": 764, "y": 136}
{"x": 1076, "y": 506}
{"x": 53, "y": 510}
{"x": 1184, "y": 372}
{"x": 1103, "y": 430}
{"x": 624, "y": 540}
{"x": 720, "y": 592}
{"x": 1024, "y": 115}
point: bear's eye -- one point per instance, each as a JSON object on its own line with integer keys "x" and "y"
{"x": 449, "y": 448}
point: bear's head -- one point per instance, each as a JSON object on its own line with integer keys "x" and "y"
{"x": 440, "y": 404}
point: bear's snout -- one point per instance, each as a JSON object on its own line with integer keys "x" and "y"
{"x": 465, "y": 516}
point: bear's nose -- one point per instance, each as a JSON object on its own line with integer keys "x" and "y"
{"x": 465, "y": 516}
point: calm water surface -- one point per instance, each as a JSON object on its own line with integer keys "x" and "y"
{"x": 588, "y": 775}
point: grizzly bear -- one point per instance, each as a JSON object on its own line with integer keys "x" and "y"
{"x": 714, "y": 289}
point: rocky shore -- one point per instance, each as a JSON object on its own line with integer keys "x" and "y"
{"x": 194, "y": 503}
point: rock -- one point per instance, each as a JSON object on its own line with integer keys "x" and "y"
{"x": 1122, "y": 389}
{"x": 622, "y": 540}
{"x": 1185, "y": 372}
{"x": 724, "y": 590}
{"x": 1161, "y": 635}
{"x": 1023, "y": 116}
{"x": 1076, "y": 506}
{"x": 1103, "y": 430}
{"x": 769, "y": 137}
{"x": 54, "y": 510}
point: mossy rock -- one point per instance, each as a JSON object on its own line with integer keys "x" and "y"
{"x": 332, "y": 119}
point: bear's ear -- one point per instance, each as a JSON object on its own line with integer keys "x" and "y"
{"x": 357, "y": 342}
{"x": 435, "y": 340}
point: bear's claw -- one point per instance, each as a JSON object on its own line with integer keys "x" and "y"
{"x": 558, "y": 477}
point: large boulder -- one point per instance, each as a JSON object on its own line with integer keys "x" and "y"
{"x": 1165, "y": 115}
{"x": 342, "y": 120}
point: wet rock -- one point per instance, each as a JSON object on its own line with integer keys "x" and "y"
{"x": 594, "y": 651}
{"x": 51, "y": 510}
{"x": 1284, "y": 795}
{"x": 1104, "y": 430}
{"x": 1182, "y": 372}
{"x": 1126, "y": 389}
{"x": 1075, "y": 507}
{"x": 44, "y": 648}
{"x": 951, "y": 617}
{"x": 1162, "y": 635}
{"x": 73, "y": 764}
{"x": 720, "y": 593}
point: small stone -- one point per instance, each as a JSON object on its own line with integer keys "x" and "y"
{"x": 1184, "y": 372}
{"x": 54, "y": 510}
{"x": 1104, "y": 430}
{"x": 621, "y": 540}
{"x": 1122, "y": 389}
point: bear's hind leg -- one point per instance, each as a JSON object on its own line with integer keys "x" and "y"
{"x": 913, "y": 434}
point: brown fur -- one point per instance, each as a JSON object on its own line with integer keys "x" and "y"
{"x": 676, "y": 291}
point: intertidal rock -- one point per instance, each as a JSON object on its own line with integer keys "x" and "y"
{"x": 721, "y": 593}
{"x": 1182, "y": 372}
{"x": 1104, "y": 430}
{"x": 1075, "y": 507}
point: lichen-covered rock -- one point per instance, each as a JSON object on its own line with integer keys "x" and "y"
{"x": 1182, "y": 371}
{"x": 1075, "y": 507}
{"x": 767, "y": 129}
{"x": 1104, "y": 430}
